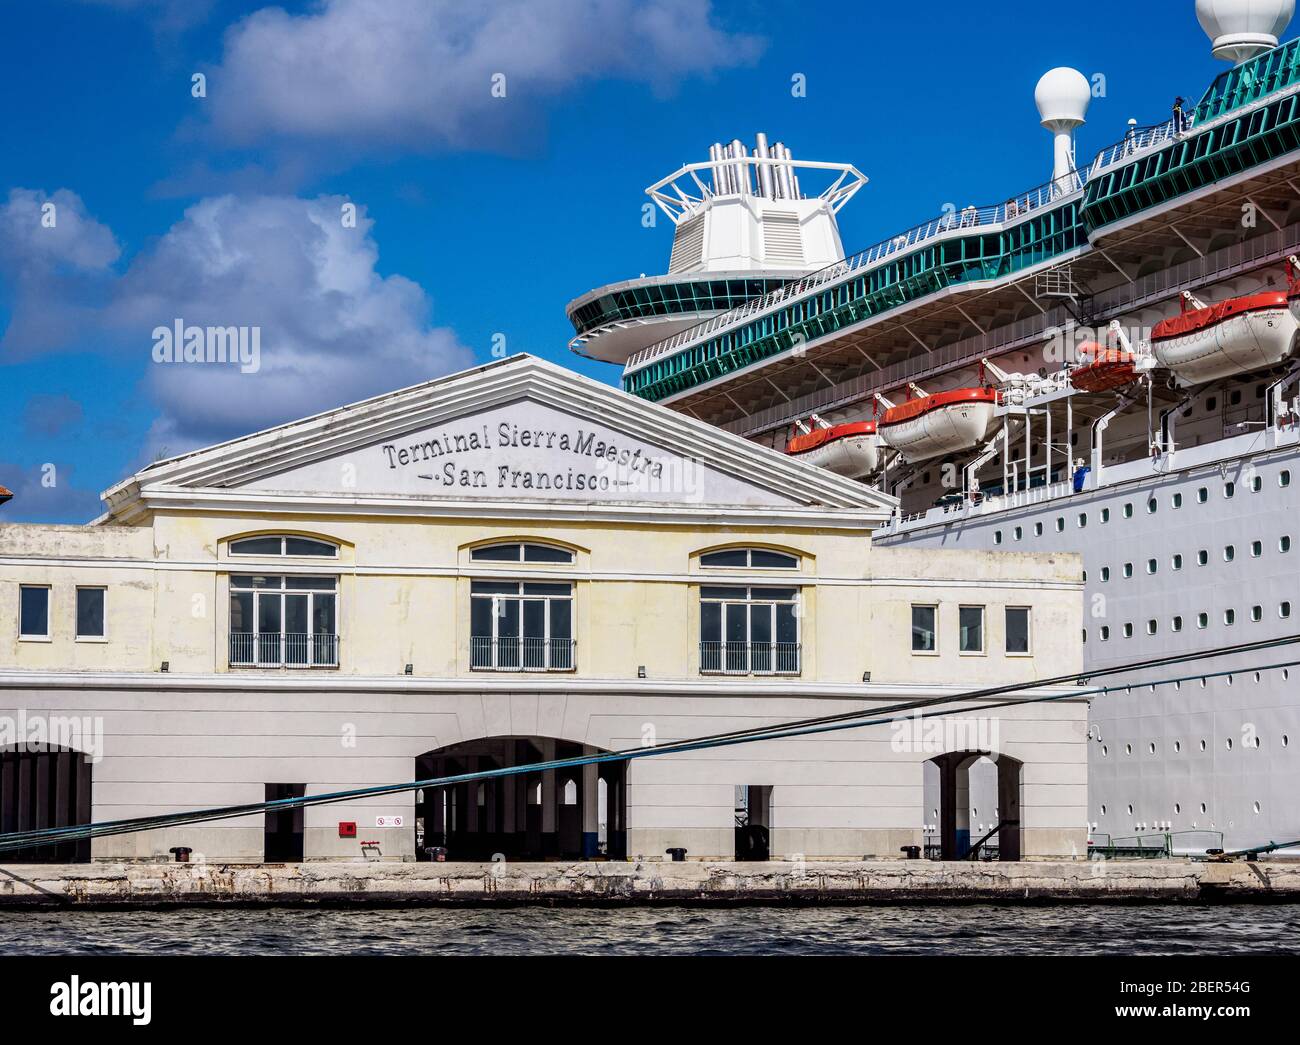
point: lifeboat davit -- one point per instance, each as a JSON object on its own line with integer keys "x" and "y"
{"x": 945, "y": 423}
{"x": 1102, "y": 369}
{"x": 851, "y": 450}
{"x": 1232, "y": 337}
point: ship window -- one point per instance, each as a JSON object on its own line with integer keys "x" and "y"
{"x": 1211, "y": 405}
{"x": 1105, "y": 515}
{"x": 1083, "y": 520}
{"x": 1202, "y": 621}
{"x": 1128, "y": 570}
{"x": 1284, "y": 479}
{"x": 1038, "y": 529}
{"x": 997, "y": 537}
{"x": 1105, "y": 573}
{"x": 1177, "y": 500}
{"x": 1019, "y": 533}
{"x": 1152, "y": 566}
{"x": 1229, "y": 553}
{"x": 1256, "y": 549}
{"x": 1256, "y": 483}
{"x": 1229, "y": 490}
{"x": 1229, "y": 617}
{"x": 1176, "y": 624}
{"x": 1060, "y": 525}
{"x": 1202, "y": 557}
{"x": 923, "y": 629}
{"x": 1202, "y": 495}
{"x": 750, "y": 559}
{"x": 1177, "y": 562}
{"x": 1105, "y": 633}
{"x": 1152, "y": 627}
{"x": 1284, "y": 611}
{"x": 1235, "y": 398}
{"x": 1152, "y": 506}
{"x": 278, "y": 546}
{"x": 515, "y": 552}
{"x": 1128, "y": 511}
{"x": 971, "y": 628}
{"x": 1128, "y": 630}
{"x": 1284, "y": 544}
{"x": 1257, "y": 614}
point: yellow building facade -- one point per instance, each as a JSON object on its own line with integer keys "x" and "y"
{"x": 502, "y": 567}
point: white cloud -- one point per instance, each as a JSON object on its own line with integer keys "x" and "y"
{"x": 332, "y": 328}
{"x": 420, "y": 72}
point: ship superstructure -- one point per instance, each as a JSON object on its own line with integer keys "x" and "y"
{"x": 1106, "y": 363}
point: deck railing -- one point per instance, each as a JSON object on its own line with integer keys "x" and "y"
{"x": 521, "y": 654}
{"x": 289, "y": 650}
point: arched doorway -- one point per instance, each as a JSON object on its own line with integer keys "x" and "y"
{"x": 43, "y": 787}
{"x": 996, "y": 829}
{"x": 562, "y": 814}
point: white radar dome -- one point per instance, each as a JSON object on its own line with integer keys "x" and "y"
{"x": 1242, "y": 29}
{"x": 1063, "y": 96}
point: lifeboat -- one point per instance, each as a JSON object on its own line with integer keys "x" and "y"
{"x": 851, "y": 450}
{"x": 1102, "y": 369}
{"x": 1232, "y": 337}
{"x": 945, "y": 423}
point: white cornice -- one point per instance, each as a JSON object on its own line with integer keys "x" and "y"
{"x": 507, "y": 686}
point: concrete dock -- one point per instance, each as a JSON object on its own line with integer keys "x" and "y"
{"x": 648, "y": 882}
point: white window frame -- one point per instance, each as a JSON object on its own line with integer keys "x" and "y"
{"x": 1029, "y": 631}
{"x": 283, "y": 538}
{"x": 286, "y": 588}
{"x": 77, "y": 637}
{"x": 983, "y": 651}
{"x": 49, "y": 614}
{"x": 934, "y": 631}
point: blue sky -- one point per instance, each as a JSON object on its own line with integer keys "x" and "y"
{"x": 478, "y": 216}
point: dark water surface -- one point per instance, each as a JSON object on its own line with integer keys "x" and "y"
{"x": 970, "y": 930}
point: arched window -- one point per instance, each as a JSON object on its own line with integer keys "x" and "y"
{"x": 281, "y": 545}
{"x": 517, "y": 551}
{"x": 750, "y": 559}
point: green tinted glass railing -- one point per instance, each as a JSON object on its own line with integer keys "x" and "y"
{"x": 860, "y": 297}
{"x": 1274, "y": 70}
{"x": 1193, "y": 162}
{"x": 657, "y": 300}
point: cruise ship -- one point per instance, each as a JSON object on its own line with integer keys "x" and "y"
{"x": 1106, "y": 363}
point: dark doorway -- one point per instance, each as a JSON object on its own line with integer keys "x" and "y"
{"x": 567, "y": 814}
{"x": 283, "y": 831}
{"x": 753, "y": 822}
{"x": 998, "y": 838}
{"x": 45, "y": 788}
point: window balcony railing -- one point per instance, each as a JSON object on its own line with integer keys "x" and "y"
{"x": 291, "y": 650}
{"x": 521, "y": 654}
{"x": 749, "y": 658}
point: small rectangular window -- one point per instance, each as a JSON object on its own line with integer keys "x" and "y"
{"x": 923, "y": 629}
{"x": 971, "y": 620}
{"x": 1017, "y": 630}
{"x": 90, "y": 613}
{"x": 34, "y": 612}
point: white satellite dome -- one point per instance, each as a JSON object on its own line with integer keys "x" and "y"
{"x": 1242, "y": 29}
{"x": 1063, "y": 96}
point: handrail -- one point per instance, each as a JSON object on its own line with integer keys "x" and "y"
{"x": 969, "y": 218}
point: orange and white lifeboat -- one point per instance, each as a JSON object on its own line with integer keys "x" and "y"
{"x": 1103, "y": 369}
{"x": 944, "y": 423}
{"x": 1235, "y": 336}
{"x": 851, "y": 450}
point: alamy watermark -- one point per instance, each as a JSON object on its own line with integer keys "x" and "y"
{"x": 237, "y": 346}
{"x": 33, "y": 733}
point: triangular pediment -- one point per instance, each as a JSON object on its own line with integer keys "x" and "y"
{"x": 521, "y": 431}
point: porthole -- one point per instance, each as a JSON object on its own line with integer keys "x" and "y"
{"x": 1105, "y": 633}
{"x": 1128, "y": 630}
{"x": 1257, "y": 807}
{"x": 1105, "y": 573}
{"x": 1130, "y": 810}
{"x": 1229, "y": 490}
{"x": 1128, "y": 511}
{"x": 1202, "y": 748}
{"x": 1284, "y": 478}
{"x": 1128, "y": 749}
{"x": 1177, "y": 809}
{"x": 1284, "y": 544}
{"x": 1038, "y": 529}
{"x": 1104, "y": 751}
{"x": 1204, "y": 807}
{"x": 1256, "y": 549}
{"x": 1151, "y": 748}
{"x": 1105, "y": 515}
{"x": 1152, "y": 566}
{"x": 1177, "y": 562}
{"x": 1256, "y": 483}
{"x": 1286, "y": 740}
{"x": 1229, "y": 618}
{"x": 1103, "y": 810}
{"x": 1128, "y": 569}
{"x": 1284, "y": 610}
{"x": 1177, "y": 500}
{"x": 1229, "y": 553}
{"x": 1202, "y": 620}
{"x": 1202, "y": 495}
{"x": 1257, "y": 613}
{"x": 1083, "y": 520}
{"x": 1176, "y": 624}
{"x": 1152, "y": 627}
{"x": 1178, "y": 746}
{"x": 1019, "y": 533}
{"x": 997, "y": 537}
{"x": 1060, "y": 525}
{"x": 1152, "y": 506}
{"x": 1202, "y": 557}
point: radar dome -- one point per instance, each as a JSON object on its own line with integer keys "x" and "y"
{"x": 1242, "y": 29}
{"x": 1063, "y": 96}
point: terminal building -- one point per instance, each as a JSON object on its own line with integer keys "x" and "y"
{"x": 510, "y": 565}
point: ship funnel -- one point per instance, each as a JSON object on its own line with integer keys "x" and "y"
{"x": 1243, "y": 29}
{"x": 1063, "y": 96}
{"x": 764, "y": 171}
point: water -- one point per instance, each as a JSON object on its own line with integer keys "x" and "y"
{"x": 919, "y": 930}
